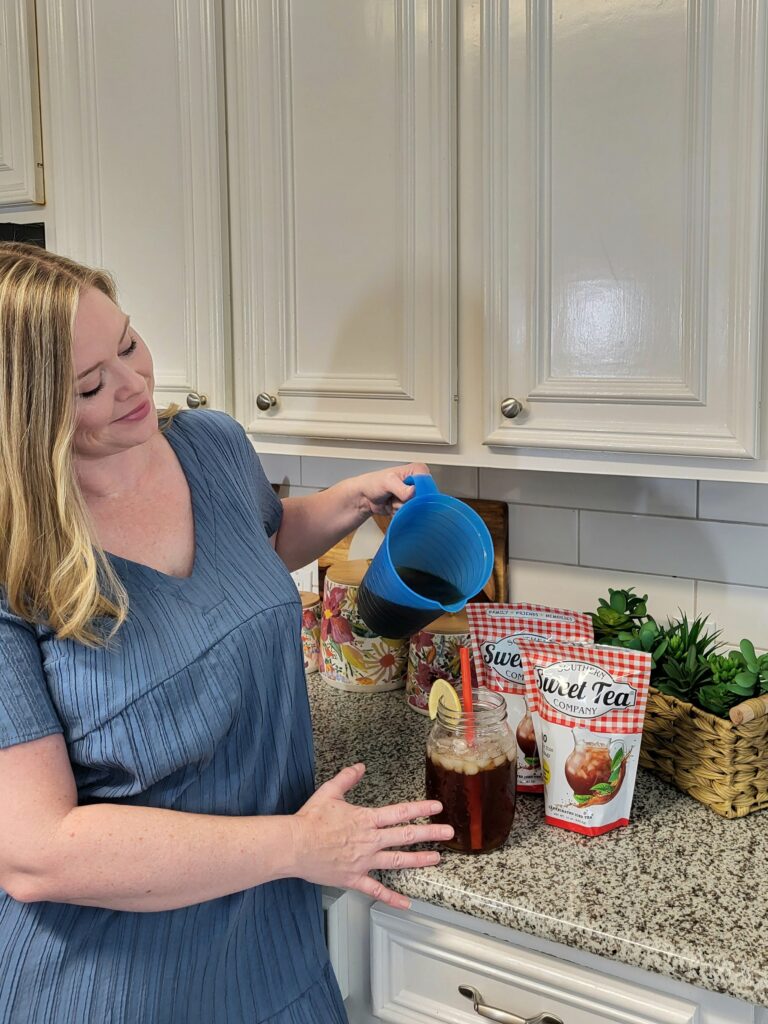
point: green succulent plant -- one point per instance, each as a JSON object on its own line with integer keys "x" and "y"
{"x": 684, "y": 667}
{"x": 687, "y": 662}
{"x": 623, "y": 612}
{"x": 650, "y": 637}
{"x": 753, "y": 679}
{"x": 736, "y": 677}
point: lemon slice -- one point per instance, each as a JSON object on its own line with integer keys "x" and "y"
{"x": 443, "y": 691}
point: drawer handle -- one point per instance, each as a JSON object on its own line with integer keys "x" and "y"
{"x": 501, "y": 1016}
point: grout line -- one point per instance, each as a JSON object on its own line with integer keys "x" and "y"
{"x": 698, "y": 498}
{"x": 618, "y": 512}
{"x": 578, "y": 536}
{"x": 666, "y": 576}
{"x": 644, "y": 572}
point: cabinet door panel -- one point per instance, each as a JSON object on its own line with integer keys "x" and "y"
{"x": 21, "y": 168}
{"x": 418, "y": 966}
{"x": 135, "y": 142}
{"x": 624, "y": 232}
{"x": 342, "y": 162}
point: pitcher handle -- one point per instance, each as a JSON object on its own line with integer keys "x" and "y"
{"x": 424, "y": 484}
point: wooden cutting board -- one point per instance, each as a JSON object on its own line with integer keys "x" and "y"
{"x": 495, "y": 515}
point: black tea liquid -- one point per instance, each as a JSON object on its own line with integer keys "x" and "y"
{"x": 396, "y": 621}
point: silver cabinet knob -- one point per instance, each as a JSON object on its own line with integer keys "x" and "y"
{"x": 501, "y": 1016}
{"x": 196, "y": 401}
{"x": 265, "y": 401}
{"x": 510, "y": 408}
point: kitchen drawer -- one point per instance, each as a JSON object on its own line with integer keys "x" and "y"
{"x": 417, "y": 965}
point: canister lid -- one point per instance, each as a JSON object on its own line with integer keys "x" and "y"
{"x": 348, "y": 573}
{"x": 451, "y": 622}
{"x": 308, "y": 598}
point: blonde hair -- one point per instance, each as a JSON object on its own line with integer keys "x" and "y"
{"x": 52, "y": 570}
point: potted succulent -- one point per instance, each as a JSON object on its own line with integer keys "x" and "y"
{"x": 706, "y": 725}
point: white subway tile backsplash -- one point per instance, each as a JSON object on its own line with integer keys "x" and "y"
{"x": 290, "y": 490}
{"x": 544, "y": 534}
{"x": 736, "y": 503}
{"x": 281, "y": 468}
{"x": 460, "y": 481}
{"x": 321, "y": 472}
{"x": 722, "y": 552}
{"x": 738, "y": 611}
{"x": 604, "y": 493}
{"x": 573, "y": 586}
{"x": 630, "y": 532}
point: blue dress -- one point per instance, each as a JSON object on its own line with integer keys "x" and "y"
{"x": 199, "y": 706}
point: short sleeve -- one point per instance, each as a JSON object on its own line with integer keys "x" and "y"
{"x": 251, "y": 472}
{"x": 269, "y": 503}
{"x": 26, "y": 709}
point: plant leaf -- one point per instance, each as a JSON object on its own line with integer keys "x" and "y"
{"x": 602, "y": 788}
{"x": 747, "y": 648}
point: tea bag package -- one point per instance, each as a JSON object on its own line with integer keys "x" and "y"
{"x": 495, "y": 630}
{"x": 588, "y": 705}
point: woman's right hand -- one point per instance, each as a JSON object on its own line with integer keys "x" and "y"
{"x": 337, "y": 843}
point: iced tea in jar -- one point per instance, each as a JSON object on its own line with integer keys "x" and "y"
{"x": 471, "y": 770}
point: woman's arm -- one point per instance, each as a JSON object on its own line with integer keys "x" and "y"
{"x": 313, "y": 524}
{"x": 145, "y": 859}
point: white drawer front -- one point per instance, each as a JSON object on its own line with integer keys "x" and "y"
{"x": 418, "y": 964}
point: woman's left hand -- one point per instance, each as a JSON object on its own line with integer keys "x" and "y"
{"x": 383, "y": 491}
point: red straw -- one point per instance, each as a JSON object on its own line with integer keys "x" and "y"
{"x": 473, "y": 781}
{"x": 466, "y": 693}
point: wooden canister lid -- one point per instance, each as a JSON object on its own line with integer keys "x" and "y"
{"x": 451, "y": 622}
{"x": 349, "y": 573}
{"x": 308, "y": 598}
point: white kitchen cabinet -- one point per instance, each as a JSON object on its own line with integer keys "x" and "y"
{"x": 567, "y": 197}
{"x": 420, "y": 958}
{"x": 406, "y": 967}
{"x": 21, "y": 167}
{"x": 133, "y": 104}
{"x": 342, "y": 150}
{"x": 611, "y": 206}
{"x": 624, "y": 163}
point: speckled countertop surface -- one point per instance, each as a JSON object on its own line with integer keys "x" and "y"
{"x": 680, "y": 891}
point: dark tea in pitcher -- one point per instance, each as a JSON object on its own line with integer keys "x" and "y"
{"x": 388, "y": 619}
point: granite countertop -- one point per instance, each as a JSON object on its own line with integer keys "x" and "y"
{"x": 680, "y": 891}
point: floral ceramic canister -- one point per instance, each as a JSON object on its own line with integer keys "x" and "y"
{"x": 311, "y": 614}
{"x": 434, "y": 654}
{"x": 352, "y": 657}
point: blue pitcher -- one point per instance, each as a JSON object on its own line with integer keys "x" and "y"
{"x": 435, "y": 556}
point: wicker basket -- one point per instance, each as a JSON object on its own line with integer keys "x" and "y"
{"x": 722, "y": 765}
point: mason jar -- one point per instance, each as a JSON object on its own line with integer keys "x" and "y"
{"x": 471, "y": 769}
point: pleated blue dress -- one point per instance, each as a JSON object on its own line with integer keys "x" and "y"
{"x": 199, "y": 705}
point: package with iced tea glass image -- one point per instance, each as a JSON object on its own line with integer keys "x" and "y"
{"x": 495, "y": 629}
{"x": 588, "y": 704}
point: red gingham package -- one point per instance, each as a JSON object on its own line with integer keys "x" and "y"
{"x": 495, "y": 629}
{"x": 588, "y": 705}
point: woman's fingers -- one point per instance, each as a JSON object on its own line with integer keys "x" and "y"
{"x": 342, "y": 782}
{"x": 396, "y": 860}
{"x": 397, "y": 814}
{"x": 407, "y": 835}
{"x": 378, "y": 891}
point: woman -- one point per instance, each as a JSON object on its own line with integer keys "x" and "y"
{"x": 160, "y": 843}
